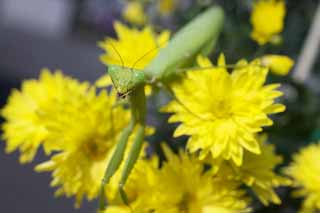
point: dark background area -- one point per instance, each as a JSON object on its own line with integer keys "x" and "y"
{"x": 62, "y": 34}
{"x": 28, "y": 44}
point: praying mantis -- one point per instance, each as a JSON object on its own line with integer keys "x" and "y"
{"x": 197, "y": 37}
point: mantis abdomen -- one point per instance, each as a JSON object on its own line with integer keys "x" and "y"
{"x": 198, "y": 35}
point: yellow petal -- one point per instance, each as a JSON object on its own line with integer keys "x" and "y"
{"x": 134, "y": 13}
{"x": 104, "y": 81}
{"x": 278, "y": 64}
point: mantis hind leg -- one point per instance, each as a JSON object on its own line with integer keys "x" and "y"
{"x": 131, "y": 160}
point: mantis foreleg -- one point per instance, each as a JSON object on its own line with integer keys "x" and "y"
{"x": 131, "y": 160}
{"x": 138, "y": 110}
{"x": 116, "y": 159}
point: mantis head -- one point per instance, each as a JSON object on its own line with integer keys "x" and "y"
{"x": 125, "y": 79}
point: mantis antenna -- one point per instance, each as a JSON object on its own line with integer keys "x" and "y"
{"x": 147, "y": 53}
{"x": 115, "y": 49}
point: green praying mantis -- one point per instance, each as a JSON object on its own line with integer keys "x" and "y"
{"x": 197, "y": 37}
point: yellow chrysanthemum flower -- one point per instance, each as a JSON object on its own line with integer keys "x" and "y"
{"x": 305, "y": 170}
{"x": 87, "y": 130}
{"x": 25, "y": 111}
{"x": 166, "y": 7}
{"x": 134, "y": 13}
{"x": 278, "y": 64}
{"x": 257, "y": 172}
{"x": 136, "y": 48}
{"x": 222, "y": 112}
{"x": 132, "y": 45}
{"x": 183, "y": 186}
{"x": 267, "y": 20}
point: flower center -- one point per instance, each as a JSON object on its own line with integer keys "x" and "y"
{"x": 184, "y": 205}
{"x": 96, "y": 149}
{"x": 221, "y": 109}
